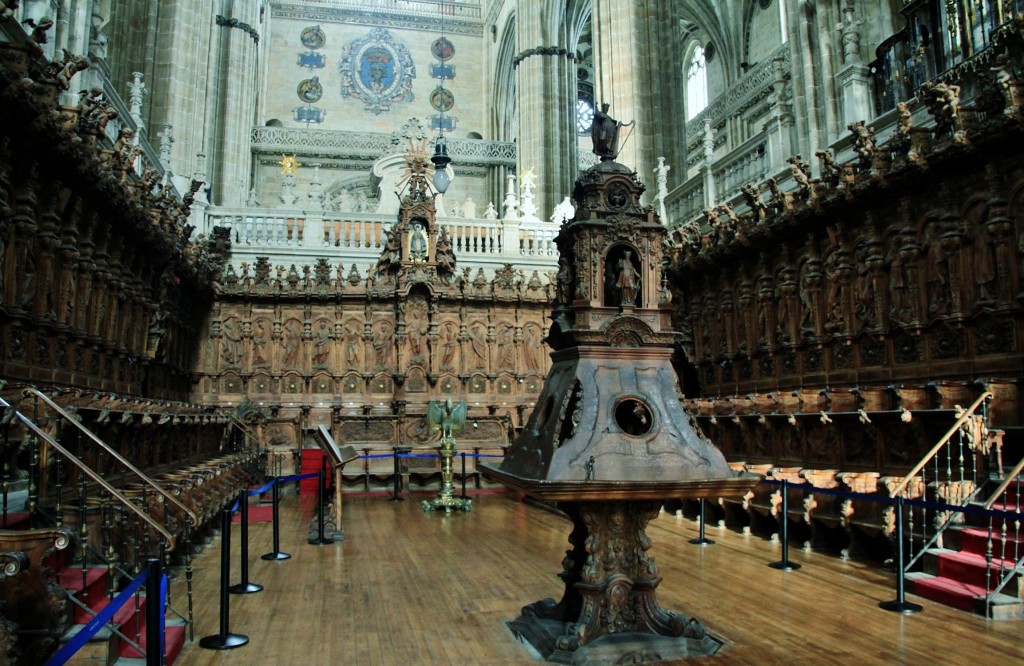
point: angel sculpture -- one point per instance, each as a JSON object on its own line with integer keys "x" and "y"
{"x": 447, "y": 417}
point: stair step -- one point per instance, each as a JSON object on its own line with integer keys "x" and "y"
{"x": 944, "y": 590}
{"x": 969, "y": 568}
{"x": 174, "y": 641}
{"x": 124, "y": 615}
{"x": 92, "y": 591}
{"x": 975, "y": 540}
{"x": 16, "y": 520}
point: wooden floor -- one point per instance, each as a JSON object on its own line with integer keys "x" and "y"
{"x": 410, "y": 588}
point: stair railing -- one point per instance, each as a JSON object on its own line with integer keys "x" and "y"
{"x": 954, "y": 478}
{"x": 148, "y": 482}
{"x": 88, "y": 471}
{"x": 1003, "y": 573}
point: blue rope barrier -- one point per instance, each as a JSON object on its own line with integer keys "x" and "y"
{"x": 296, "y": 477}
{"x": 925, "y": 504}
{"x": 376, "y": 455}
{"x": 260, "y": 491}
{"x": 417, "y": 455}
{"x": 163, "y": 616}
{"x": 97, "y": 623}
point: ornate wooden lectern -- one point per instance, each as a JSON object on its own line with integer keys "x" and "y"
{"x": 609, "y": 438}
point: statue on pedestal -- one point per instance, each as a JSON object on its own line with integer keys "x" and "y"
{"x": 604, "y": 132}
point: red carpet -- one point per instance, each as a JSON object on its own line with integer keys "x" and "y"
{"x": 258, "y": 513}
{"x": 16, "y": 520}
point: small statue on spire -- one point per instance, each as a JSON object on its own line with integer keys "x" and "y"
{"x": 605, "y": 134}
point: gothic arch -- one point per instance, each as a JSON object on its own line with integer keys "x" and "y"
{"x": 504, "y": 119}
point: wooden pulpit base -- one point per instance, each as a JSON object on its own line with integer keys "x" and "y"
{"x": 609, "y": 613}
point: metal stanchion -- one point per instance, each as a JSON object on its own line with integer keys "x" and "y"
{"x": 320, "y": 539}
{"x": 225, "y": 640}
{"x": 900, "y": 603}
{"x": 395, "y": 497}
{"x": 154, "y": 614}
{"x": 700, "y": 540}
{"x": 276, "y": 554}
{"x": 464, "y": 495}
{"x": 784, "y": 564}
{"x": 244, "y": 587}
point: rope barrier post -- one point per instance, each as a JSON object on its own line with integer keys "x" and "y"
{"x": 320, "y": 539}
{"x": 464, "y": 495}
{"x": 395, "y": 496}
{"x": 154, "y": 614}
{"x": 900, "y": 603}
{"x": 244, "y": 587}
{"x": 224, "y": 640}
{"x": 700, "y": 540}
{"x": 276, "y": 554}
{"x": 784, "y": 564}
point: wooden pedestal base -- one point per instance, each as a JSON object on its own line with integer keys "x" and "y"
{"x": 609, "y": 613}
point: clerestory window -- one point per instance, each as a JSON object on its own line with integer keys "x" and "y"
{"x": 696, "y": 84}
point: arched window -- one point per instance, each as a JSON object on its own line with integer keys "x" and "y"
{"x": 696, "y": 84}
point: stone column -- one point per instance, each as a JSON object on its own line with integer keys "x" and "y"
{"x": 852, "y": 79}
{"x": 546, "y": 89}
{"x": 642, "y": 83}
{"x": 234, "y": 100}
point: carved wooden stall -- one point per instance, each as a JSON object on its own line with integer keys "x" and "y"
{"x": 836, "y": 328}
{"x": 363, "y": 353}
{"x": 102, "y": 297}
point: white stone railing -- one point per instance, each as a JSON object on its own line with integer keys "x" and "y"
{"x": 753, "y": 87}
{"x": 747, "y": 163}
{"x": 359, "y": 237}
{"x": 685, "y": 202}
{"x": 371, "y": 145}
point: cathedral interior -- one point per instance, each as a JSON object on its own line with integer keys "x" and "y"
{"x": 812, "y": 211}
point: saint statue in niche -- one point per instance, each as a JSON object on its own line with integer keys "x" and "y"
{"x": 627, "y": 279}
{"x": 418, "y": 241}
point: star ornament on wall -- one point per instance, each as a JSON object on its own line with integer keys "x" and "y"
{"x": 288, "y": 165}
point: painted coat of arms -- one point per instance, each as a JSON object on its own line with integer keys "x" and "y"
{"x": 377, "y": 70}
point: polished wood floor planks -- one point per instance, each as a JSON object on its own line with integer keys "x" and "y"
{"x": 407, "y": 588}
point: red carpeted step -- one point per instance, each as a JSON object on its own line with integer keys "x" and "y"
{"x": 92, "y": 591}
{"x": 124, "y": 617}
{"x": 16, "y": 520}
{"x": 257, "y": 514}
{"x": 968, "y": 568}
{"x": 975, "y": 540}
{"x": 174, "y": 641}
{"x": 949, "y": 592}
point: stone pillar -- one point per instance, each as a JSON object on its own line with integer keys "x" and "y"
{"x": 779, "y": 127}
{"x": 235, "y": 101}
{"x": 641, "y": 83}
{"x": 710, "y": 194}
{"x": 852, "y": 80}
{"x": 546, "y": 91}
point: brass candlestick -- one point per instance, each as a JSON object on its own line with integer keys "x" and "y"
{"x": 448, "y": 418}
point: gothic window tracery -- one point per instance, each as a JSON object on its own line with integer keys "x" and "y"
{"x": 696, "y": 83}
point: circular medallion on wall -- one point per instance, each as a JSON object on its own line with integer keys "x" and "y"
{"x": 442, "y": 49}
{"x": 442, "y": 99}
{"x": 310, "y": 91}
{"x": 313, "y": 37}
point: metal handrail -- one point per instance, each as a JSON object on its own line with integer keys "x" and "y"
{"x": 171, "y": 541}
{"x": 1005, "y": 484}
{"x": 88, "y": 433}
{"x": 935, "y": 449}
{"x": 246, "y": 430}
